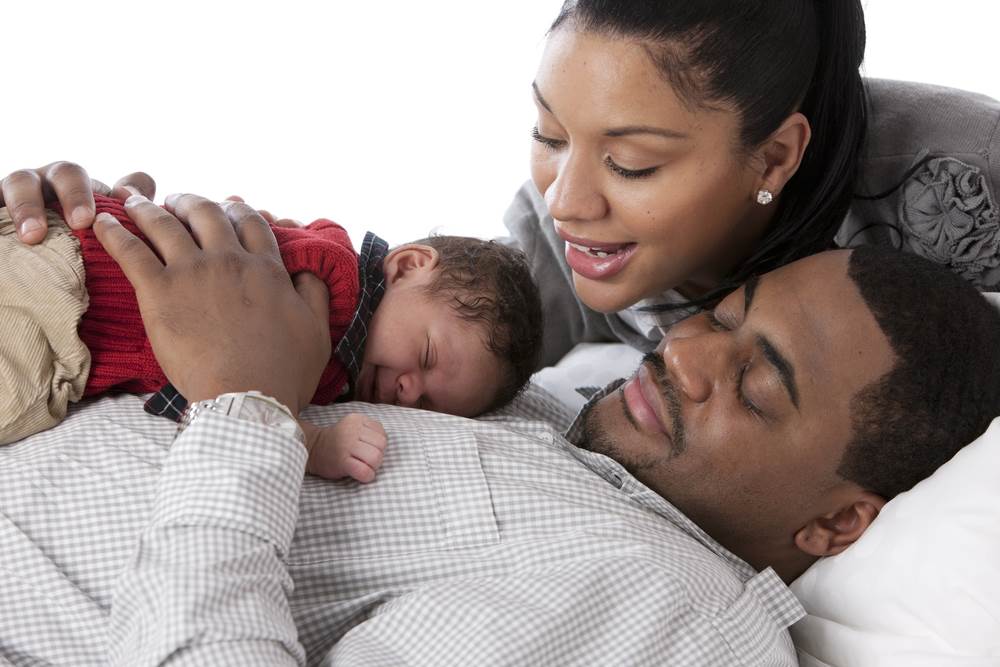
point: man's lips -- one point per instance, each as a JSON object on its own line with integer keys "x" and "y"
{"x": 644, "y": 402}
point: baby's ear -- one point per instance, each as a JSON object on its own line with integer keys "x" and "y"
{"x": 830, "y": 534}
{"x": 410, "y": 261}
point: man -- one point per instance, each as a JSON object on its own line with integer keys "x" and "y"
{"x": 491, "y": 542}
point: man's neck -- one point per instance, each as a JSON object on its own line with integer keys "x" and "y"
{"x": 786, "y": 560}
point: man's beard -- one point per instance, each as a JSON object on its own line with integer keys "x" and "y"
{"x": 595, "y": 437}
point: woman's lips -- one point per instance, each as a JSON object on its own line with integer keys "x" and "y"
{"x": 595, "y": 260}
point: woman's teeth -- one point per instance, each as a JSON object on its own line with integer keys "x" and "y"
{"x": 594, "y": 252}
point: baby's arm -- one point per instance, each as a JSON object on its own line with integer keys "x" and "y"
{"x": 353, "y": 447}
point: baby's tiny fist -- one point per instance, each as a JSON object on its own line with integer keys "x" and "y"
{"x": 353, "y": 447}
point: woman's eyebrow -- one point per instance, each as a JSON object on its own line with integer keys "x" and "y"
{"x": 538, "y": 96}
{"x": 644, "y": 129}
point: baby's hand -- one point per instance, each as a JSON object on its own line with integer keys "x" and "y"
{"x": 353, "y": 447}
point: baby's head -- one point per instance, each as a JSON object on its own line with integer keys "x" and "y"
{"x": 459, "y": 329}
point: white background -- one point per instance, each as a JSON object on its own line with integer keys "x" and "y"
{"x": 397, "y": 116}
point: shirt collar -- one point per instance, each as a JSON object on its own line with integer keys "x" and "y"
{"x": 350, "y": 350}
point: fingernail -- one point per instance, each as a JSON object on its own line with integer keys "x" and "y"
{"x": 30, "y": 225}
{"x": 81, "y": 216}
{"x": 135, "y": 200}
{"x": 105, "y": 219}
{"x": 171, "y": 198}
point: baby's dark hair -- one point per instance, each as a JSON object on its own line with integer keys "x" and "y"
{"x": 490, "y": 285}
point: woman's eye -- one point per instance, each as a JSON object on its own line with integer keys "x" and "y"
{"x": 628, "y": 173}
{"x": 548, "y": 142}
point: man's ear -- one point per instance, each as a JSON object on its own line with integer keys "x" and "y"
{"x": 782, "y": 153}
{"x": 830, "y": 534}
{"x": 409, "y": 261}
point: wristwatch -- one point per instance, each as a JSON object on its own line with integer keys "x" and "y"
{"x": 251, "y": 406}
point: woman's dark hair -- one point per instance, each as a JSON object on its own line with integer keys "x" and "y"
{"x": 766, "y": 59}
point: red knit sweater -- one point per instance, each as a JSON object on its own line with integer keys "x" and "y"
{"x": 121, "y": 357}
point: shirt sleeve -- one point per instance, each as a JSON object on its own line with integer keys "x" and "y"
{"x": 208, "y": 582}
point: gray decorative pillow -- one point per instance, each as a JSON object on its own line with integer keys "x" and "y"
{"x": 930, "y": 177}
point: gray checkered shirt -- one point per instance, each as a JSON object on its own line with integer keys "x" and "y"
{"x": 489, "y": 542}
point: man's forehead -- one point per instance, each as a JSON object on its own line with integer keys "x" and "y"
{"x": 815, "y": 315}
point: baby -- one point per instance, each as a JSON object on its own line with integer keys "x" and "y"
{"x": 449, "y": 324}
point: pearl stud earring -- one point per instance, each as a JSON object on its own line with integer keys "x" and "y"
{"x": 764, "y": 197}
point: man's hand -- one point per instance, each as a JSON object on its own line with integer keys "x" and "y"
{"x": 220, "y": 310}
{"x": 26, "y": 191}
{"x": 353, "y": 447}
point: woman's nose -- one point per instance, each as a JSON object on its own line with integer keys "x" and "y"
{"x": 574, "y": 196}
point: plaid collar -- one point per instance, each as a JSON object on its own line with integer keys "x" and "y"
{"x": 371, "y": 281}
{"x": 169, "y": 403}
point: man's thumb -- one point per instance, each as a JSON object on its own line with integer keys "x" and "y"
{"x": 316, "y": 295}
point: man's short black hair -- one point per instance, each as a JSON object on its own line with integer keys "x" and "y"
{"x": 944, "y": 389}
{"x": 490, "y": 285}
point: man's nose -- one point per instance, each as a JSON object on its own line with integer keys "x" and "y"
{"x": 696, "y": 363}
{"x": 575, "y": 196}
{"x": 409, "y": 389}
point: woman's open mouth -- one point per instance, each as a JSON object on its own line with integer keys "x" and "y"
{"x": 598, "y": 261}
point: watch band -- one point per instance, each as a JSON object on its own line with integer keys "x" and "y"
{"x": 251, "y": 406}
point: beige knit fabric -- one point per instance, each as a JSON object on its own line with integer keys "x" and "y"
{"x": 43, "y": 363}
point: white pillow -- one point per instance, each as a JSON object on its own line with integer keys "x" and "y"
{"x": 922, "y": 585}
{"x": 587, "y": 365}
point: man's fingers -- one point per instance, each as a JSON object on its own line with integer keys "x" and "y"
{"x": 101, "y": 188}
{"x": 316, "y": 295}
{"x": 208, "y": 222}
{"x": 164, "y": 231}
{"x": 252, "y": 229}
{"x": 135, "y": 258}
{"x": 72, "y": 187}
{"x": 21, "y": 193}
{"x": 136, "y": 183}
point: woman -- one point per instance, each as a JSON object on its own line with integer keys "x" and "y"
{"x": 680, "y": 147}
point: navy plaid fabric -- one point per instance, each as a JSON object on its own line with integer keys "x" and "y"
{"x": 169, "y": 403}
{"x": 371, "y": 284}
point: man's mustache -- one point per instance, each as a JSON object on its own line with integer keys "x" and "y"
{"x": 672, "y": 398}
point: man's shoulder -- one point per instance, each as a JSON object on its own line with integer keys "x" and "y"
{"x": 533, "y": 404}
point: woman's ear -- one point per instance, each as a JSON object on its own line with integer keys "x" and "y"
{"x": 409, "y": 261}
{"x": 830, "y": 534}
{"x": 782, "y": 152}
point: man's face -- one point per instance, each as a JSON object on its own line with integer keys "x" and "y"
{"x": 741, "y": 416}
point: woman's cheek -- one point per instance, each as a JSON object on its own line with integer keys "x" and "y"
{"x": 543, "y": 168}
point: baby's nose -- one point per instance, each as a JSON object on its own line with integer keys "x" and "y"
{"x": 408, "y": 390}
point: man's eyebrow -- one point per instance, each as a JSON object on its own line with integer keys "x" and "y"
{"x": 538, "y": 96}
{"x": 785, "y": 369}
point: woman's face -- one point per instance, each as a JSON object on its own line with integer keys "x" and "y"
{"x": 649, "y": 194}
